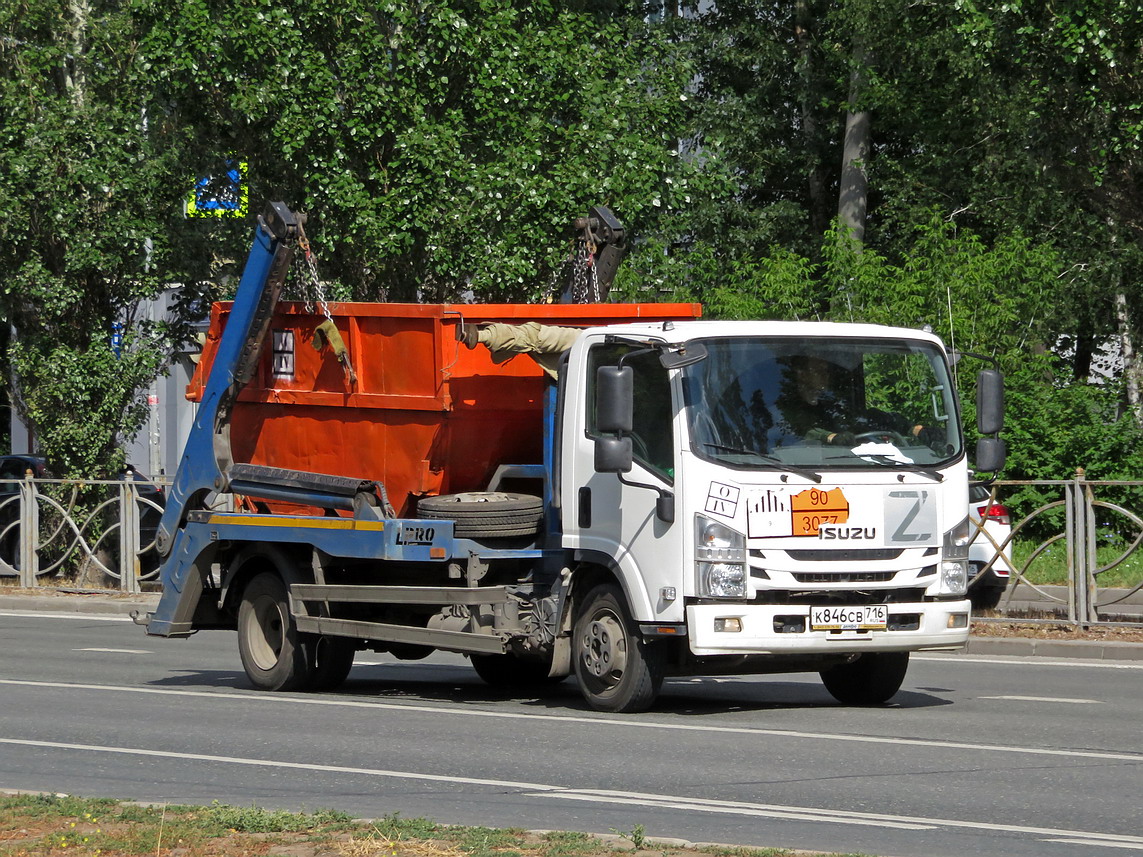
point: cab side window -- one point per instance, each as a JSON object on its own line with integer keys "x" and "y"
{"x": 652, "y": 434}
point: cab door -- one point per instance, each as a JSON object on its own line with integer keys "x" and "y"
{"x": 612, "y": 518}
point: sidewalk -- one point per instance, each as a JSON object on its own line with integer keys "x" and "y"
{"x": 55, "y": 601}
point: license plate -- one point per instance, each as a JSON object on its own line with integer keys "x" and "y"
{"x": 870, "y": 617}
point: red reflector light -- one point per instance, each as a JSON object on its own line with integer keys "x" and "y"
{"x": 997, "y": 512}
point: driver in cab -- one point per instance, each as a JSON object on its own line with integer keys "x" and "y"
{"x": 821, "y": 410}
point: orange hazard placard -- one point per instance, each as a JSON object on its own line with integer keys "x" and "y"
{"x": 814, "y": 507}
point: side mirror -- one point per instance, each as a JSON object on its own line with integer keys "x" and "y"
{"x": 614, "y": 399}
{"x": 613, "y": 454}
{"x": 990, "y": 454}
{"x": 989, "y": 402}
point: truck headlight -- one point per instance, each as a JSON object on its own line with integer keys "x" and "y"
{"x": 953, "y": 579}
{"x": 720, "y": 560}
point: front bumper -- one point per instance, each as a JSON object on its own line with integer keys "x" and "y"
{"x": 915, "y": 626}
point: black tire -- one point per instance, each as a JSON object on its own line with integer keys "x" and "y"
{"x": 507, "y": 670}
{"x": 872, "y": 679}
{"x": 984, "y": 589}
{"x": 985, "y": 597}
{"x": 485, "y": 514}
{"x": 10, "y": 554}
{"x": 617, "y": 670}
{"x": 273, "y": 654}
{"x": 331, "y": 659}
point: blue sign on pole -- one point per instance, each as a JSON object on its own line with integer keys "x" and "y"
{"x": 223, "y": 195}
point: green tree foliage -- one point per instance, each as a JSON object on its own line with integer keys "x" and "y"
{"x": 1004, "y": 177}
{"x": 1054, "y": 425}
{"x": 769, "y": 100}
{"x": 440, "y": 146}
{"x": 1012, "y": 115}
{"x": 84, "y": 191}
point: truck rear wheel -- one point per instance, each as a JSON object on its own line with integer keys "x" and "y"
{"x": 617, "y": 670}
{"x": 272, "y": 652}
{"x": 331, "y": 659}
{"x": 870, "y": 680}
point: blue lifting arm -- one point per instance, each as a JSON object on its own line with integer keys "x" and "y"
{"x": 207, "y": 456}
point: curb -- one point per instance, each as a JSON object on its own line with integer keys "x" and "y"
{"x": 103, "y": 603}
{"x": 1097, "y": 650}
{"x": 79, "y": 602}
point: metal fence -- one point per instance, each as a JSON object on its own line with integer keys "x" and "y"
{"x": 96, "y": 533}
{"x": 101, "y": 534}
{"x": 1085, "y": 532}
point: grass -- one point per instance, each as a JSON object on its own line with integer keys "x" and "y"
{"x": 35, "y": 825}
{"x": 1051, "y": 565}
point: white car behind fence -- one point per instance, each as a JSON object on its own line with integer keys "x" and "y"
{"x": 990, "y": 553}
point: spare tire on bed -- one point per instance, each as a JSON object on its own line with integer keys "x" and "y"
{"x": 485, "y": 514}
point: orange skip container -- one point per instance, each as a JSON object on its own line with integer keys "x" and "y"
{"x": 425, "y": 415}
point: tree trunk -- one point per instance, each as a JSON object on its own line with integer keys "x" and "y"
{"x": 1132, "y": 371}
{"x": 74, "y": 79}
{"x": 1084, "y": 353}
{"x": 819, "y": 206}
{"x": 853, "y": 200}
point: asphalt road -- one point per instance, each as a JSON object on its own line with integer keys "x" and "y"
{"x": 977, "y": 755}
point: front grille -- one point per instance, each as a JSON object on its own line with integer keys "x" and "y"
{"x": 840, "y": 596}
{"x": 845, "y": 555}
{"x": 843, "y": 576}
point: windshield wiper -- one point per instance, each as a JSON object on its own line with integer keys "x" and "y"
{"x": 890, "y": 461}
{"x": 777, "y": 464}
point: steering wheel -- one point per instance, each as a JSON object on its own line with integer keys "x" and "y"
{"x": 883, "y": 436}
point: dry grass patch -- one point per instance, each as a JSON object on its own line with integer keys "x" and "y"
{"x": 64, "y": 826}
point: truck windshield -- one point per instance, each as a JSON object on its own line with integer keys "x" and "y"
{"x": 779, "y": 402}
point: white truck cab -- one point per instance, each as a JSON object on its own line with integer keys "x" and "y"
{"x": 771, "y": 488}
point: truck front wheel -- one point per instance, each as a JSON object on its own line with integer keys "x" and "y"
{"x": 617, "y": 670}
{"x": 871, "y": 679}
{"x": 271, "y": 649}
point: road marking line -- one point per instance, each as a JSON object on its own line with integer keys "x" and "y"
{"x": 282, "y": 699}
{"x": 1046, "y": 699}
{"x": 298, "y": 766}
{"x": 767, "y": 811}
{"x": 117, "y": 651}
{"x": 642, "y": 799}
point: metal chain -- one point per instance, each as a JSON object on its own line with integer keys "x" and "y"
{"x": 585, "y": 286}
{"x": 596, "y": 297}
{"x": 312, "y": 281}
{"x": 579, "y": 280}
